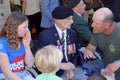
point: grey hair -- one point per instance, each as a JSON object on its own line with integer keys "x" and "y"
{"x": 109, "y": 18}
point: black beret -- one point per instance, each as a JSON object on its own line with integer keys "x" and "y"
{"x": 73, "y": 3}
{"x": 62, "y": 12}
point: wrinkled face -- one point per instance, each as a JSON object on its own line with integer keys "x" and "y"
{"x": 98, "y": 25}
{"x": 65, "y": 23}
{"x": 81, "y": 7}
{"x": 22, "y": 29}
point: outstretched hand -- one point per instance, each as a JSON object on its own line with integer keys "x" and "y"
{"x": 89, "y": 54}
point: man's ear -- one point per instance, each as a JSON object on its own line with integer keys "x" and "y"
{"x": 107, "y": 24}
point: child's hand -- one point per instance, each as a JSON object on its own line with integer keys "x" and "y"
{"x": 26, "y": 39}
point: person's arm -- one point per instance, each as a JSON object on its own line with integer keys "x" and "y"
{"x": 5, "y": 66}
{"x": 46, "y": 10}
{"x": 29, "y": 59}
{"x": 89, "y": 52}
{"x": 24, "y": 2}
{"x": 67, "y": 66}
{"x": 112, "y": 67}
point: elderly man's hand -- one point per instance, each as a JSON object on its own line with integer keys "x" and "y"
{"x": 70, "y": 74}
{"x": 67, "y": 66}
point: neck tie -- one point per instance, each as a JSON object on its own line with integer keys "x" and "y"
{"x": 62, "y": 39}
{"x": 63, "y": 43}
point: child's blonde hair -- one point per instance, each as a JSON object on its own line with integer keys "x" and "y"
{"x": 48, "y": 59}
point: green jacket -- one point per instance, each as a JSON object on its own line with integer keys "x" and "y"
{"x": 82, "y": 28}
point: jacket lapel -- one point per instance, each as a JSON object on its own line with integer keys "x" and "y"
{"x": 68, "y": 37}
{"x": 55, "y": 36}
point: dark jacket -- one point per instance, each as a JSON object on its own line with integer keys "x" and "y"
{"x": 51, "y": 36}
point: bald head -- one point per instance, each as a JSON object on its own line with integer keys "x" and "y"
{"x": 103, "y": 21}
{"x": 104, "y": 14}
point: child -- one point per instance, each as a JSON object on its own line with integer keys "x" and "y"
{"x": 15, "y": 49}
{"x": 48, "y": 60}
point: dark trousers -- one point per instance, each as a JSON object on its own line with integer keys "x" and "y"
{"x": 35, "y": 20}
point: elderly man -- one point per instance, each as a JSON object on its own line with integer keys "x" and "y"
{"x": 79, "y": 23}
{"x": 106, "y": 37}
{"x": 65, "y": 39}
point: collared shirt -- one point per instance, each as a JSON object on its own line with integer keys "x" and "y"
{"x": 79, "y": 14}
{"x": 65, "y": 35}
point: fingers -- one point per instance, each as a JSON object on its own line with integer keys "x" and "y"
{"x": 67, "y": 66}
{"x": 89, "y": 55}
{"x": 109, "y": 69}
{"x": 70, "y": 74}
{"x": 72, "y": 66}
{"x": 107, "y": 72}
{"x": 28, "y": 35}
{"x": 26, "y": 39}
